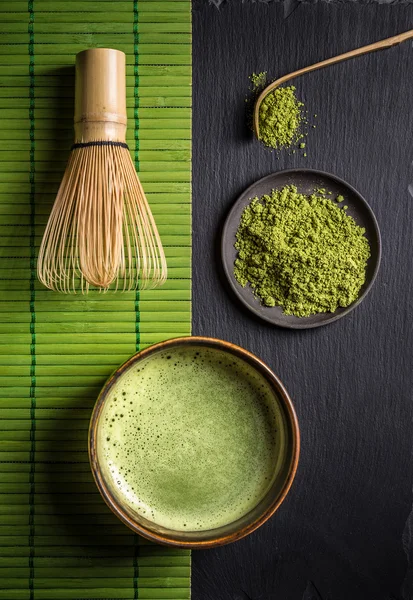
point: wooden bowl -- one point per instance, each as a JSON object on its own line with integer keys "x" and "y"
{"x": 255, "y": 517}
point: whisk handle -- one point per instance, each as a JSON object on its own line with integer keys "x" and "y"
{"x": 100, "y": 96}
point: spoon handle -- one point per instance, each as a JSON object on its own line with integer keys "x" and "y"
{"x": 382, "y": 45}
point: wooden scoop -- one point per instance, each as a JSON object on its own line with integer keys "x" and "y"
{"x": 384, "y": 44}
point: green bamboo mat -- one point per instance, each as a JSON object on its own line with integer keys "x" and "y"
{"x": 57, "y": 538}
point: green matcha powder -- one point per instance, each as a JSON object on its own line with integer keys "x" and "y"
{"x": 303, "y": 253}
{"x": 281, "y": 118}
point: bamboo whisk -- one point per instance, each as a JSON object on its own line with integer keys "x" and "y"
{"x": 101, "y": 230}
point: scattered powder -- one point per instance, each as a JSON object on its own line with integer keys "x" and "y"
{"x": 258, "y": 80}
{"x": 303, "y": 253}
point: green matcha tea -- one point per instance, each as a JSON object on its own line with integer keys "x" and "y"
{"x": 191, "y": 438}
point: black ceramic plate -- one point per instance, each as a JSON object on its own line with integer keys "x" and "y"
{"x": 306, "y": 180}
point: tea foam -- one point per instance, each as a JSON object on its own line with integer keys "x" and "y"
{"x": 190, "y": 439}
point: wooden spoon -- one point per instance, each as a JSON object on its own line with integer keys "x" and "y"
{"x": 387, "y": 43}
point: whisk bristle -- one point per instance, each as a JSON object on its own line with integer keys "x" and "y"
{"x": 101, "y": 231}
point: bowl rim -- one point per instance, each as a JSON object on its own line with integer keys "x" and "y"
{"x": 171, "y": 540}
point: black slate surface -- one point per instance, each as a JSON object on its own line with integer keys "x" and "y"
{"x": 344, "y": 532}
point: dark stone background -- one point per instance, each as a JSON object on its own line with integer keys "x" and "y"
{"x": 344, "y": 531}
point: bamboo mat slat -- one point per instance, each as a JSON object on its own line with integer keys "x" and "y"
{"x": 58, "y": 540}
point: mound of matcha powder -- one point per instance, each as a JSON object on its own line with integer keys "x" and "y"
{"x": 281, "y": 118}
{"x": 303, "y": 253}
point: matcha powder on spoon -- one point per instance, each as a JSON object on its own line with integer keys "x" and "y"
{"x": 303, "y": 253}
{"x": 281, "y": 118}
